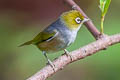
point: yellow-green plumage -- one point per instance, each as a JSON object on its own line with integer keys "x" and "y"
{"x": 41, "y": 37}
{"x": 26, "y": 43}
{"x": 70, "y": 18}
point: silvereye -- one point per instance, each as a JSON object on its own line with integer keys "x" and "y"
{"x": 60, "y": 34}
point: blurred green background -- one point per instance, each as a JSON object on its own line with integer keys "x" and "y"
{"x": 21, "y": 20}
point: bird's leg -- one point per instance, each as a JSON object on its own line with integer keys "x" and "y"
{"x": 49, "y": 61}
{"x": 67, "y": 53}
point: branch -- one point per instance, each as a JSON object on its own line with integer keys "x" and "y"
{"x": 81, "y": 53}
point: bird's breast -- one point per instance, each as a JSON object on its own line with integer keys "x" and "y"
{"x": 72, "y": 37}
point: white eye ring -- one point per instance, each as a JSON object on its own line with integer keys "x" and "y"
{"x": 78, "y": 20}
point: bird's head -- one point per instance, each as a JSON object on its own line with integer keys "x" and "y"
{"x": 73, "y": 19}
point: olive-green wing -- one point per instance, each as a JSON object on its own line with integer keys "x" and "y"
{"x": 41, "y": 37}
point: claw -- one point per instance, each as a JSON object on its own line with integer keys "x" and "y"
{"x": 67, "y": 53}
{"x": 51, "y": 64}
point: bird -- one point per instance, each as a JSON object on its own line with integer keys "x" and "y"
{"x": 59, "y": 35}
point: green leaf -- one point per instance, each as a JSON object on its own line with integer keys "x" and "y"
{"x": 104, "y": 5}
{"x": 101, "y": 6}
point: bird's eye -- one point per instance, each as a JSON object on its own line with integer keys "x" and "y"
{"x": 78, "y": 20}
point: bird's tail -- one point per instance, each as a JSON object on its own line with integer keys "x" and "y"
{"x": 26, "y": 43}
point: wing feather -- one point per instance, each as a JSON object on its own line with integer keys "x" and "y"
{"x": 42, "y": 37}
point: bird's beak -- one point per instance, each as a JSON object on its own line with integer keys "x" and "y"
{"x": 85, "y": 20}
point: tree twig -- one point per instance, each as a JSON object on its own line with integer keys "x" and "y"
{"x": 81, "y": 53}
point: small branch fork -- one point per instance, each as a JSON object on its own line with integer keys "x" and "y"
{"x": 103, "y": 41}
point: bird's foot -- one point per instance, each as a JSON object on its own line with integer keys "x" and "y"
{"x": 67, "y": 53}
{"x": 51, "y": 64}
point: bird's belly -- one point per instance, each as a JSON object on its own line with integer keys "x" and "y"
{"x": 56, "y": 44}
